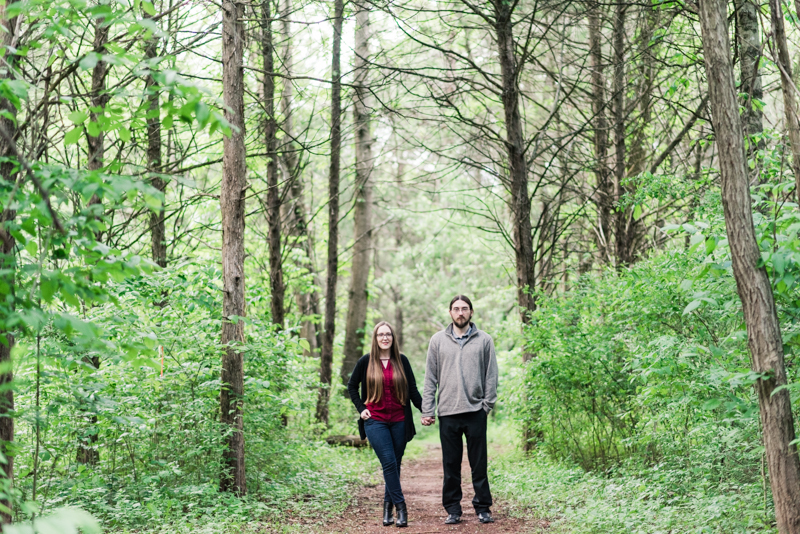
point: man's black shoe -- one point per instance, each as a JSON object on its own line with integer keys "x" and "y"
{"x": 452, "y": 519}
{"x": 485, "y": 517}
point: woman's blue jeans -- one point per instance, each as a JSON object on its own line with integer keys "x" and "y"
{"x": 388, "y": 440}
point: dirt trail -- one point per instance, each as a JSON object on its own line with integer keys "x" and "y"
{"x": 422, "y": 486}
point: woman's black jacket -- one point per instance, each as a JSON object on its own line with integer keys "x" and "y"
{"x": 359, "y": 378}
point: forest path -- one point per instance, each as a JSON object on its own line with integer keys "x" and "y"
{"x": 422, "y": 486}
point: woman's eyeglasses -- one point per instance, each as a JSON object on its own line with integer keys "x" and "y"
{"x": 387, "y": 335}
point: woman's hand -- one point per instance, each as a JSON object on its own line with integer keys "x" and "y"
{"x": 365, "y": 415}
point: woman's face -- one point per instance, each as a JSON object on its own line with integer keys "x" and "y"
{"x": 384, "y": 335}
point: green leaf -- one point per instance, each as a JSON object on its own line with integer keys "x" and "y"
{"x": 78, "y": 117}
{"x": 61, "y": 521}
{"x": 153, "y": 202}
{"x": 70, "y": 298}
{"x": 124, "y": 134}
{"x": 93, "y": 129}
{"x": 148, "y": 8}
{"x": 637, "y": 212}
{"x": 712, "y": 404}
{"x": 202, "y": 113}
{"x": 697, "y": 238}
{"x": 778, "y": 263}
{"x": 72, "y": 136}
{"x": 692, "y": 306}
{"x": 48, "y": 289}
{"x": 89, "y": 61}
{"x": 150, "y": 340}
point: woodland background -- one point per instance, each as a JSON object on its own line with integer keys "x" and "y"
{"x": 206, "y": 207}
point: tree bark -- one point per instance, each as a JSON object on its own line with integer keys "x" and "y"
{"x": 232, "y": 206}
{"x": 158, "y": 231}
{"x": 604, "y": 196}
{"x": 640, "y": 152}
{"x": 781, "y": 53}
{"x": 277, "y": 287}
{"x": 87, "y": 438}
{"x": 398, "y": 318}
{"x": 308, "y": 301}
{"x": 9, "y": 244}
{"x": 362, "y": 213}
{"x": 518, "y": 176}
{"x": 326, "y": 356}
{"x": 518, "y": 171}
{"x": 753, "y": 285}
{"x": 99, "y": 97}
{"x": 749, "y": 43}
{"x": 623, "y": 217}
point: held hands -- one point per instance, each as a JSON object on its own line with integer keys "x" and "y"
{"x": 428, "y": 421}
{"x": 365, "y": 415}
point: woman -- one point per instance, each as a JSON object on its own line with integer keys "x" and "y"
{"x": 387, "y": 385}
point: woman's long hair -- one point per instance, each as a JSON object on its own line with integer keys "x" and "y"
{"x": 375, "y": 369}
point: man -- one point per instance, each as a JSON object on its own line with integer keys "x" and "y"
{"x": 462, "y": 364}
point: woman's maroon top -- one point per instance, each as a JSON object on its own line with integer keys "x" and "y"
{"x": 388, "y": 409}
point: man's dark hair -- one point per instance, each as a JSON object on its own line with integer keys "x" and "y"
{"x": 461, "y": 297}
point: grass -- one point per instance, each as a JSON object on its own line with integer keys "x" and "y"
{"x": 308, "y": 481}
{"x": 305, "y": 480}
{"x": 662, "y": 499}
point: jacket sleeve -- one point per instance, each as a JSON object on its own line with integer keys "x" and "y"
{"x": 431, "y": 380}
{"x": 413, "y": 392}
{"x": 490, "y": 374}
{"x": 354, "y": 383}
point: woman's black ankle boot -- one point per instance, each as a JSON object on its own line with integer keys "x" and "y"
{"x": 402, "y": 514}
{"x": 387, "y": 513}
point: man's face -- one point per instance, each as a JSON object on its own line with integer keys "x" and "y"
{"x": 460, "y": 313}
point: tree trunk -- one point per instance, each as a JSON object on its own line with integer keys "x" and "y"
{"x": 158, "y": 232}
{"x": 639, "y": 150}
{"x": 752, "y": 282}
{"x": 277, "y": 287}
{"x": 518, "y": 171}
{"x": 8, "y": 262}
{"x": 398, "y": 318}
{"x": 99, "y": 97}
{"x": 87, "y": 438}
{"x": 781, "y": 53}
{"x": 232, "y": 206}
{"x": 749, "y": 43}
{"x": 518, "y": 175}
{"x": 326, "y": 356}
{"x": 623, "y": 217}
{"x": 307, "y": 302}
{"x": 362, "y": 213}
{"x": 604, "y": 195}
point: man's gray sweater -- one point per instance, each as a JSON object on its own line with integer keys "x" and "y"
{"x": 466, "y": 376}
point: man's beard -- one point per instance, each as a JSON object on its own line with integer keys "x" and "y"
{"x": 461, "y": 322}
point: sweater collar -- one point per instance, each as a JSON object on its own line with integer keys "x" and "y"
{"x": 471, "y": 331}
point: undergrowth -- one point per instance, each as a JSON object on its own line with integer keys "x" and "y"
{"x": 659, "y": 500}
{"x": 307, "y": 480}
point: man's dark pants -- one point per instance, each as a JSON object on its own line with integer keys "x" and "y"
{"x": 451, "y": 428}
